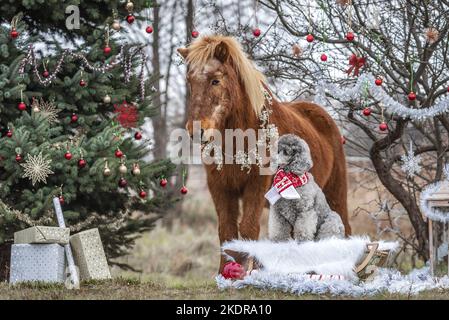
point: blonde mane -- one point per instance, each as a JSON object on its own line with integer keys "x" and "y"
{"x": 204, "y": 49}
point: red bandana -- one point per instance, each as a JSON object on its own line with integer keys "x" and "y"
{"x": 283, "y": 180}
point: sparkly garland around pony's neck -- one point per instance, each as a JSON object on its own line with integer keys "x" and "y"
{"x": 269, "y": 134}
{"x": 124, "y": 57}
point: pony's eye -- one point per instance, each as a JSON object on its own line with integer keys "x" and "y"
{"x": 215, "y": 82}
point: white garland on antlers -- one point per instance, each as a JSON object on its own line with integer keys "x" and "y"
{"x": 367, "y": 81}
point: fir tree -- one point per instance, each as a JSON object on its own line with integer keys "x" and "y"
{"x": 72, "y": 126}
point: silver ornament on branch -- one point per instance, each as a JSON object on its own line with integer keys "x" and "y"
{"x": 107, "y": 99}
{"x": 106, "y": 171}
{"x": 123, "y": 169}
{"x": 129, "y": 6}
{"x": 116, "y": 25}
{"x": 136, "y": 169}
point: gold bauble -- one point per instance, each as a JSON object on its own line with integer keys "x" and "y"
{"x": 129, "y": 6}
{"x": 136, "y": 169}
{"x": 107, "y": 99}
{"x": 123, "y": 169}
{"x": 107, "y": 172}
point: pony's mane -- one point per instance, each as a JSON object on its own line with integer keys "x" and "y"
{"x": 204, "y": 49}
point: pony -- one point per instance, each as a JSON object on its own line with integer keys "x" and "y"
{"x": 226, "y": 91}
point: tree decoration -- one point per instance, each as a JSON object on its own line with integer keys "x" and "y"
{"x": 432, "y": 35}
{"x": 149, "y": 29}
{"x": 130, "y": 18}
{"x": 256, "y": 32}
{"x": 323, "y": 57}
{"x": 122, "y": 183}
{"x": 142, "y": 194}
{"x": 163, "y": 182}
{"x": 116, "y": 25}
{"x": 367, "y": 111}
{"x": 138, "y": 135}
{"x": 68, "y": 155}
{"x": 378, "y": 81}
{"x": 9, "y": 133}
{"x": 184, "y": 189}
{"x": 355, "y": 64}
{"x": 21, "y": 106}
{"x": 106, "y": 171}
{"x": 74, "y": 118}
{"x": 107, "y": 49}
{"x": 195, "y": 34}
{"x": 82, "y": 162}
{"x": 310, "y": 38}
{"x": 107, "y": 99}
{"x": 129, "y": 6}
{"x": 18, "y": 157}
{"x": 412, "y": 96}
{"x": 37, "y": 168}
{"x": 48, "y": 110}
{"x": 14, "y": 33}
{"x": 118, "y": 153}
{"x": 136, "y": 169}
{"x": 45, "y": 73}
{"x": 350, "y": 36}
{"x": 296, "y": 50}
{"x": 411, "y": 162}
{"x": 127, "y": 114}
{"x": 122, "y": 168}
{"x": 82, "y": 82}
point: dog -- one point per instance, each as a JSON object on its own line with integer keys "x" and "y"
{"x": 299, "y": 207}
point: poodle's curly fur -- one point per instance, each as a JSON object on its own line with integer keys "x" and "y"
{"x": 307, "y": 218}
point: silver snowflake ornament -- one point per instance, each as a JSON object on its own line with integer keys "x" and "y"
{"x": 37, "y": 168}
{"x": 410, "y": 162}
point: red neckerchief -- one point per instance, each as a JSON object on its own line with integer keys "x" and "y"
{"x": 283, "y": 180}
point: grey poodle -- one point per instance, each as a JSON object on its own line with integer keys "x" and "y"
{"x": 306, "y": 218}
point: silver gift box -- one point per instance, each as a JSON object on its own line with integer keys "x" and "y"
{"x": 89, "y": 255}
{"x": 42, "y": 234}
{"x": 37, "y": 262}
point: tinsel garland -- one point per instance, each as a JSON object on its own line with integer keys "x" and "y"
{"x": 432, "y": 213}
{"x": 125, "y": 58}
{"x": 367, "y": 81}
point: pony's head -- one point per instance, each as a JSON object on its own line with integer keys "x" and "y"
{"x": 220, "y": 78}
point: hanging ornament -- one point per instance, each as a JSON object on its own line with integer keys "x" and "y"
{"x": 107, "y": 49}
{"x": 412, "y": 96}
{"x": 323, "y": 57}
{"x": 350, "y": 36}
{"x": 343, "y": 140}
{"x": 136, "y": 169}
{"x": 184, "y": 190}
{"x": 61, "y": 200}
{"x": 116, "y": 25}
{"x": 195, "y": 34}
{"x": 18, "y": 157}
{"x": 82, "y": 163}
{"x": 122, "y": 168}
{"x": 432, "y": 35}
{"x": 74, "y": 118}
{"x": 130, "y": 18}
{"x": 256, "y": 32}
{"x": 310, "y": 38}
{"x": 37, "y": 168}
{"x": 9, "y": 133}
{"x": 383, "y": 126}
{"x": 142, "y": 194}
{"x": 367, "y": 111}
{"x": 378, "y": 81}
{"x": 82, "y": 83}
{"x": 68, "y": 155}
{"x": 45, "y": 73}
{"x": 47, "y": 109}
{"x": 118, "y": 153}
{"x": 138, "y": 135}
{"x": 411, "y": 162}
{"x": 107, "y": 99}
{"x": 106, "y": 171}
{"x": 163, "y": 182}
{"x": 149, "y": 29}
{"x": 14, "y": 33}
{"x": 355, "y": 64}
{"x": 129, "y": 6}
{"x": 35, "y": 106}
{"x": 297, "y": 50}
{"x": 122, "y": 183}
{"x": 127, "y": 114}
{"x": 21, "y": 106}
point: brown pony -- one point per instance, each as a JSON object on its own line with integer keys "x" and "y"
{"x": 225, "y": 93}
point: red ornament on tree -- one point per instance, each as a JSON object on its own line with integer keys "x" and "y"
{"x": 163, "y": 182}
{"x": 137, "y": 135}
{"x": 350, "y": 36}
{"x": 195, "y": 34}
{"x": 149, "y": 29}
{"x": 118, "y": 153}
{"x": 18, "y": 158}
{"x": 142, "y": 194}
{"x": 184, "y": 190}
{"x": 107, "y": 50}
{"x": 378, "y": 81}
{"x": 61, "y": 200}
{"x": 22, "y": 106}
{"x": 82, "y": 163}
{"x": 74, "y": 118}
{"x": 412, "y": 96}
{"x": 355, "y": 63}
{"x": 83, "y": 83}
{"x": 130, "y": 18}
{"x": 9, "y": 133}
{"x": 127, "y": 114}
{"x": 256, "y": 32}
{"x": 310, "y": 38}
{"x": 367, "y": 112}
{"x": 122, "y": 182}
{"x": 323, "y": 57}
{"x": 233, "y": 270}
{"x": 45, "y": 74}
{"x": 383, "y": 126}
{"x": 14, "y": 33}
{"x": 68, "y": 155}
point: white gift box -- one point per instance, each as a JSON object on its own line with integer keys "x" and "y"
{"x": 42, "y": 234}
{"x": 37, "y": 262}
{"x": 89, "y": 255}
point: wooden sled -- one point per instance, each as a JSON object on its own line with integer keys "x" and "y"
{"x": 373, "y": 260}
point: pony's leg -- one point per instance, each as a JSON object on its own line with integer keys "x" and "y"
{"x": 227, "y": 206}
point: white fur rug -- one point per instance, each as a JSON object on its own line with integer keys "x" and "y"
{"x": 285, "y": 265}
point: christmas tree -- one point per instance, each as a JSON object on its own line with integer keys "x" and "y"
{"x": 70, "y": 122}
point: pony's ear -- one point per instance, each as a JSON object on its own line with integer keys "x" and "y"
{"x": 221, "y": 52}
{"x": 183, "y": 52}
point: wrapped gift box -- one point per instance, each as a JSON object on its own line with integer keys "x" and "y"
{"x": 89, "y": 255}
{"x": 41, "y": 234}
{"x": 37, "y": 262}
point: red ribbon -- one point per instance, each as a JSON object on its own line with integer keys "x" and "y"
{"x": 355, "y": 64}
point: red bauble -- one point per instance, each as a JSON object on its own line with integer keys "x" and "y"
{"x": 350, "y": 36}
{"x": 83, "y": 83}
{"x": 256, "y": 32}
{"x": 61, "y": 200}
{"x": 383, "y": 126}
{"x": 412, "y": 96}
{"x": 118, "y": 153}
{"x": 310, "y": 38}
{"x": 130, "y": 18}
{"x": 378, "y": 81}
{"x": 163, "y": 182}
{"x": 45, "y": 74}
{"x": 323, "y": 57}
{"x": 14, "y": 33}
{"x": 74, "y": 118}
{"x": 18, "y": 158}
{"x": 82, "y": 163}
{"x": 149, "y": 29}
{"x": 184, "y": 190}
{"x": 367, "y": 112}
{"x": 107, "y": 50}
{"x": 233, "y": 270}
{"x": 137, "y": 135}
{"x": 122, "y": 183}
{"x": 195, "y": 34}
{"x": 22, "y": 106}
{"x": 343, "y": 140}
{"x": 9, "y": 133}
{"x": 142, "y": 194}
{"x": 68, "y": 156}
{"x": 447, "y": 89}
